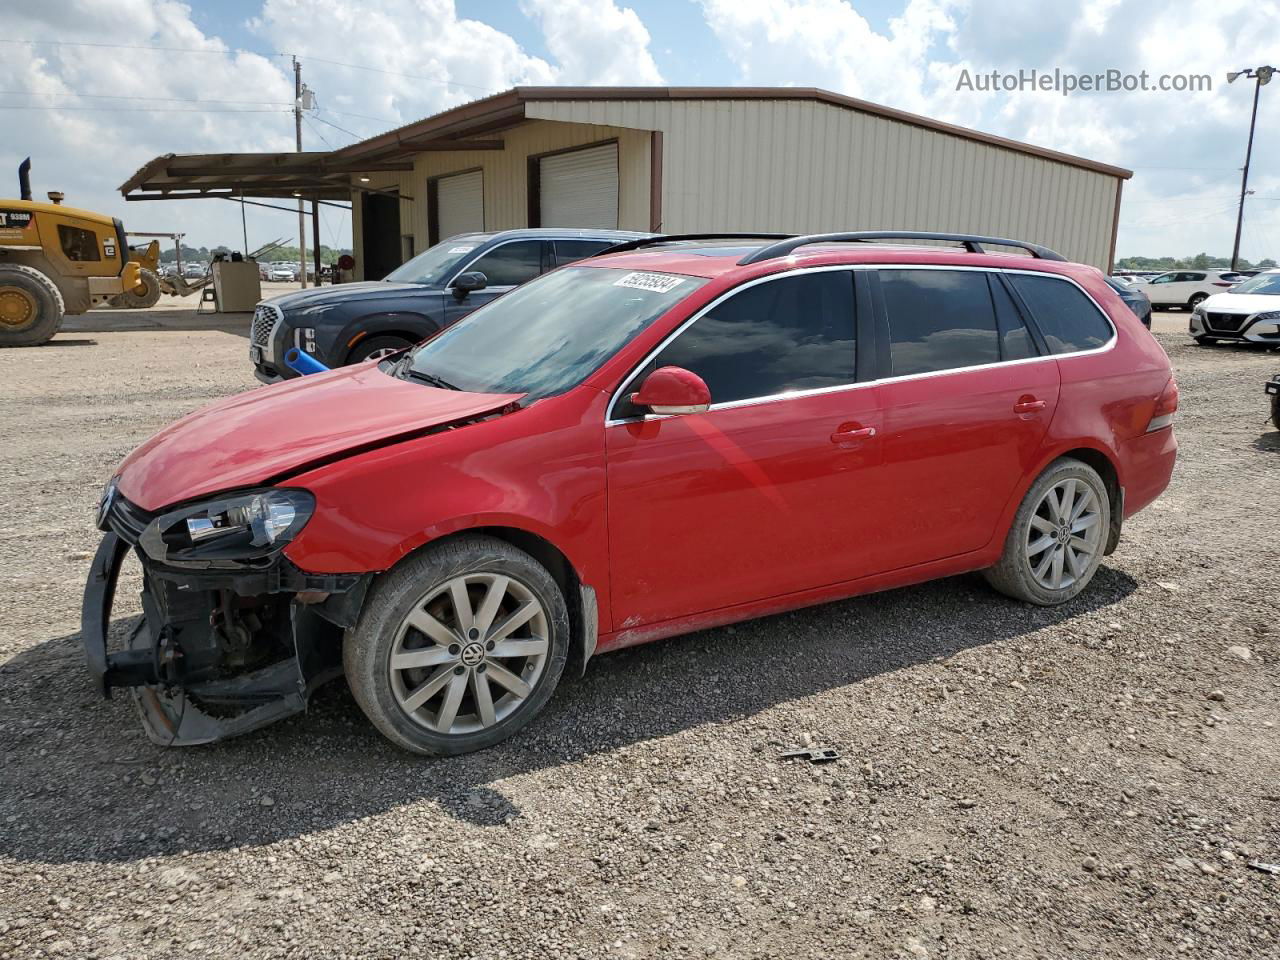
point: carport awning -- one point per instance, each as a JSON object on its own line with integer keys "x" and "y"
{"x": 318, "y": 175}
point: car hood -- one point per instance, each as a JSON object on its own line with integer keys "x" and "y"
{"x": 265, "y": 434}
{"x": 343, "y": 292}
{"x": 1242, "y": 302}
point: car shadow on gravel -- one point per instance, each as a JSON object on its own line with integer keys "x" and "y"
{"x": 1268, "y": 442}
{"x": 83, "y": 784}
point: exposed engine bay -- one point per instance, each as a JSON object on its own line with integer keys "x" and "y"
{"x": 221, "y": 649}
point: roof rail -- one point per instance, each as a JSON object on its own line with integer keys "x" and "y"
{"x": 971, "y": 243}
{"x": 672, "y": 237}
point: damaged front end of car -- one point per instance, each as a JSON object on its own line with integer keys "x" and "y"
{"x": 233, "y": 635}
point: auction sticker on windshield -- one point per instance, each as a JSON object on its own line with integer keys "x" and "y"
{"x": 653, "y": 282}
{"x": 461, "y": 249}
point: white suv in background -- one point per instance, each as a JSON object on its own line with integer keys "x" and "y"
{"x": 1248, "y": 311}
{"x": 1186, "y": 288}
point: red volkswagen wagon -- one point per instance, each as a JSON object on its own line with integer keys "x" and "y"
{"x": 682, "y": 433}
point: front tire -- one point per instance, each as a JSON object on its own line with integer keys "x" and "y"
{"x": 458, "y": 647}
{"x": 145, "y": 294}
{"x": 1057, "y": 538}
{"x": 375, "y": 348}
{"x": 31, "y": 306}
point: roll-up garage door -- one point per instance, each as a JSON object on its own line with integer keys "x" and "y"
{"x": 580, "y": 188}
{"x": 460, "y": 204}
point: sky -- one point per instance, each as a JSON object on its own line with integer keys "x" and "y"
{"x": 130, "y": 80}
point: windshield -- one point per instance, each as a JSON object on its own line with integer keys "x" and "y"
{"x": 432, "y": 266}
{"x": 550, "y": 334}
{"x": 1268, "y": 283}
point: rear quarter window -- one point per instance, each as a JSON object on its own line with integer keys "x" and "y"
{"x": 1069, "y": 320}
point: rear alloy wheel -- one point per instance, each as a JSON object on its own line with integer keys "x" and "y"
{"x": 1196, "y": 300}
{"x": 459, "y": 648}
{"x": 1057, "y": 538}
{"x": 375, "y": 348}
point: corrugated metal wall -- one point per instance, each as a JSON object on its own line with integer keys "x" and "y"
{"x": 788, "y": 166}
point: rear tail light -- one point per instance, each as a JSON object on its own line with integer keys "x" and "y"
{"x": 1166, "y": 407}
{"x": 1222, "y": 283}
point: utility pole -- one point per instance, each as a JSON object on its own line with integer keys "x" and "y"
{"x": 1261, "y": 76}
{"x": 302, "y": 217}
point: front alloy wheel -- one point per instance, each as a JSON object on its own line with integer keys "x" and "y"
{"x": 470, "y": 653}
{"x": 459, "y": 646}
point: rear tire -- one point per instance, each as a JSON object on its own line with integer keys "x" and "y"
{"x": 31, "y": 306}
{"x": 376, "y": 347}
{"x": 1196, "y": 300}
{"x": 133, "y": 300}
{"x": 438, "y": 680}
{"x": 1275, "y": 411}
{"x": 1057, "y": 537}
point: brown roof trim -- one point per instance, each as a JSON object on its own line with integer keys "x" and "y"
{"x": 505, "y": 109}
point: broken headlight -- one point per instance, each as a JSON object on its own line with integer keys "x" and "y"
{"x": 229, "y": 531}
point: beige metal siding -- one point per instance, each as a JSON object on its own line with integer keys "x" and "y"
{"x": 506, "y": 176}
{"x": 776, "y": 165}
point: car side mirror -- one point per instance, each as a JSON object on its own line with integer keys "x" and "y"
{"x": 467, "y": 282}
{"x": 673, "y": 390}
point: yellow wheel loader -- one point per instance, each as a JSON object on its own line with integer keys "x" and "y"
{"x": 55, "y": 261}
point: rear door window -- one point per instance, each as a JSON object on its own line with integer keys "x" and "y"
{"x": 1069, "y": 320}
{"x": 512, "y": 263}
{"x": 794, "y": 333}
{"x": 1015, "y": 338}
{"x": 567, "y": 251}
{"x": 939, "y": 320}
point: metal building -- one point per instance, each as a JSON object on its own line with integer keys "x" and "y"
{"x": 695, "y": 159}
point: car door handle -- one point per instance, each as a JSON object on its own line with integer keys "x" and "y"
{"x": 853, "y": 433}
{"x": 1029, "y": 406}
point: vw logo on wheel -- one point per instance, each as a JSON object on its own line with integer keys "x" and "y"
{"x": 472, "y": 654}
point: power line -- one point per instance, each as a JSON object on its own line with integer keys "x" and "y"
{"x": 307, "y": 57}
{"x": 396, "y": 73}
{"x": 96, "y": 109}
{"x": 317, "y": 132}
{"x": 115, "y": 96}
{"x": 336, "y": 127}
{"x": 137, "y": 46}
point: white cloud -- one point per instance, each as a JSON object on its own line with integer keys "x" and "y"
{"x": 418, "y": 56}
{"x": 1185, "y": 149}
{"x": 595, "y": 41}
{"x": 827, "y": 43}
{"x": 89, "y": 150}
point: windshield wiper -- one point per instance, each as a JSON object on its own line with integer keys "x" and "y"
{"x": 408, "y": 373}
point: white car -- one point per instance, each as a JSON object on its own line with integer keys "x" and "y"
{"x": 1248, "y": 311}
{"x": 1186, "y": 288}
{"x": 284, "y": 271}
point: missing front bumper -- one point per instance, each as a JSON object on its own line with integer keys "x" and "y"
{"x": 196, "y": 680}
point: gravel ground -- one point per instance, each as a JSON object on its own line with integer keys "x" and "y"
{"x": 1089, "y": 781}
